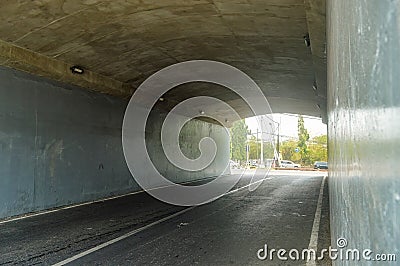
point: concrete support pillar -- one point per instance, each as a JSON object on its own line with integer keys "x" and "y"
{"x": 364, "y": 123}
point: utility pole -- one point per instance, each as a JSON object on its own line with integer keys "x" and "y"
{"x": 262, "y": 144}
{"x": 247, "y": 153}
{"x": 277, "y": 146}
{"x": 247, "y": 149}
{"x": 277, "y": 155}
{"x": 257, "y": 142}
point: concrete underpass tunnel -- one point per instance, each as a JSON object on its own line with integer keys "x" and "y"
{"x": 68, "y": 70}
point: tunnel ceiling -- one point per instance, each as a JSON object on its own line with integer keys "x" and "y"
{"x": 120, "y": 43}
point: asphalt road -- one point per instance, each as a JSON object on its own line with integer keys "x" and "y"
{"x": 228, "y": 231}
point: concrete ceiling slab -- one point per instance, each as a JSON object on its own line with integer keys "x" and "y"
{"x": 120, "y": 43}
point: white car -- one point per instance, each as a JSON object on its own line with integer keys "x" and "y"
{"x": 289, "y": 164}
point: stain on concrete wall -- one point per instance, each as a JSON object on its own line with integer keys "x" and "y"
{"x": 364, "y": 124}
{"x": 61, "y": 145}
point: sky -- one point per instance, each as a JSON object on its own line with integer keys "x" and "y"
{"x": 288, "y": 125}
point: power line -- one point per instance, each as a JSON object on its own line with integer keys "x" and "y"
{"x": 305, "y": 116}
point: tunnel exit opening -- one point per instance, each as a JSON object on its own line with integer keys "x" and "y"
{"x": 290, "y": 141}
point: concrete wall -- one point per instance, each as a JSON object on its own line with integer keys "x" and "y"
{"x": 364, "y": 123}
{"x": 61, "y": 145}
{"x": 189, "y": 139}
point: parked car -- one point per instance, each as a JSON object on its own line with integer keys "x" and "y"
{"x": 234, "y": 165}
{"x": 289, "y": 164}
{"x": 320, "y": 165}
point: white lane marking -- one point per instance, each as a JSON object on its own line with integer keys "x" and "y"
{"x": 94, "y": 249}
{"x": 90, "y": 202}
{"x": 313, "y": 245}
{"x": 238, "y": 189}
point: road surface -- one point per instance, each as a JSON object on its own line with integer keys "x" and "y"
{"x": 139, "y": 230}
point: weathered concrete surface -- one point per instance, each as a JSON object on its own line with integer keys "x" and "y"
{"x": 127, "y": 41}
{"x": 316, "y": 19}
{"x": 61, "y": 145}
{"x": 32, "y": 62}
{"x": 364, "y": 124}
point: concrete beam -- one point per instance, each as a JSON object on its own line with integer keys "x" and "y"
{"x": 39, "y": 64}
{"x": 316, "y": 21}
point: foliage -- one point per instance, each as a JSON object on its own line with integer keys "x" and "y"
{"x": 254, "y": 152}
{"x": 255, "y": 149}
{"x": 302, "y": 143}
{"x": 288, "y": 152}
{"x": 269, "y": 150}
{"x": 238, "y": 140}
{"x": 309, "y": 150}
{"x": 316, "y": 150}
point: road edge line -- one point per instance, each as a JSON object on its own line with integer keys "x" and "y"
{"x": 313, "y": 245}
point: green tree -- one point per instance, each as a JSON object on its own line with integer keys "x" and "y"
{"x": 288, "y": 151}
{"x": 238, "y": 140}
{"x": 255, "y": 149}
{"x": 254, "y": 152}
{"x": 302, "y": 143}
{"x": 268, "y": 150}
{"x": 318, "y": 147}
